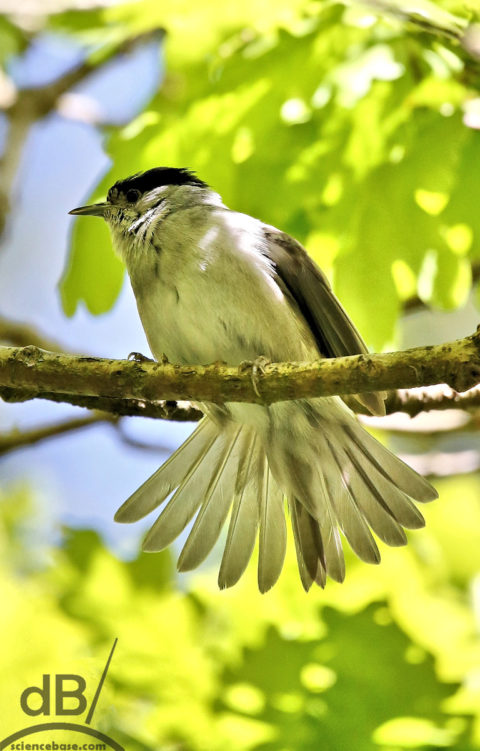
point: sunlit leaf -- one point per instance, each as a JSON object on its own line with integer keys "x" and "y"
{"x": 94, "y": 275}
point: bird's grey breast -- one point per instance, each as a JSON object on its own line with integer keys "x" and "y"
{"x": 175, "y": 280}
{"x": 206, "y": 292}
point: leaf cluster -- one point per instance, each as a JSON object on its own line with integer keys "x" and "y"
{"x": 354, "y": 132}
{"x": 383, "y": 661}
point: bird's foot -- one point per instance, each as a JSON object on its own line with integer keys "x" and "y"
{"x": 257, "y": 366}
{"x": 138, "y": 357}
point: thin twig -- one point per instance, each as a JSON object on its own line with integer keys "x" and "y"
{"x": 31, "y": 104}
{"x": 414, "y": 304}
{"x": 16, "y": 439}
{"x": 452, "y": 27}
{"x": 23, "y": 334}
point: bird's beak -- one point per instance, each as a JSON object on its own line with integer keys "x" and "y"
{"x": 95, "y": 209}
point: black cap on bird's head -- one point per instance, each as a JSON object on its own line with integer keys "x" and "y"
{"x": 155, "y": 178}
{"x": 131, "y": 188}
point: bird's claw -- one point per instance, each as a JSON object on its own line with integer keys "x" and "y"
{"x": 257, "y": 366}
{"x": 138, "y": 357}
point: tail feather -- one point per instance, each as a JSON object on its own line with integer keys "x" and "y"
{"x": 154, "y": 490}
{"x": 308, "y": 545}
{"x": 354, "y": 526}
{"x": 394, "y": 500}
{"x": 366, "y": 497}
{"x": 390, "y": 466}
{"x": 296, "y": 467}
{"x": 348, "y": 514}
{"x": 242, "y": 530}
{"x": 334, "y": 558}
{"x": 273, "y": 531}
{"x": 214, "y": 509}
{"x": 296, "y": 474}
{"x": 375, "y": 509}
{"x": 189, "y": 496}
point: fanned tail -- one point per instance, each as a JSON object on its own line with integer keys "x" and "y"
{"x": 334, "y": 475}
{"x": 214, "y": 470}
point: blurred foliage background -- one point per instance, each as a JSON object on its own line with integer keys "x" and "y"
{"x": 355, "y": 127}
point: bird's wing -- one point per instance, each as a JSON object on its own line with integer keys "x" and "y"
{"x": 333, "y": 330}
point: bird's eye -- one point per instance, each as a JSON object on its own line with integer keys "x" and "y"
{"x": 132, "y": 195}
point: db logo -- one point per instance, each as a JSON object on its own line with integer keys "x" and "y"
{"x": 63, "y": 690}
{"x": 62, "y": 694}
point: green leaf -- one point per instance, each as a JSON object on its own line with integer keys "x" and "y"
{"x": 303, "y": 687}
{"x": 13, "y": 40}
{"x": 94, "y": 274}
{"x": 291, "y": 126}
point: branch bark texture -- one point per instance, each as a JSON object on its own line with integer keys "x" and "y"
{"x": 30, "y": 372}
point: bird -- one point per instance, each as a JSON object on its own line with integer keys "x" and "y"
{"x": 213, "y": 284}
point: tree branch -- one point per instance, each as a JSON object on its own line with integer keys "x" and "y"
{"x": 414, "y": 304}
{"x": 411, "y": 402}
{"x": 36, "y": 373}
{"x": 31, "y": 104}
{"x": 16, "y": 439}
{"x": 178, "y": 411}
{"x": 415, "y": 401}
{"x": 22, "y": 334}
{"x": 433, "y": 20}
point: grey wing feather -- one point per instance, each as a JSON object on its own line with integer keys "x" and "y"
{"x": 334, "y": 332}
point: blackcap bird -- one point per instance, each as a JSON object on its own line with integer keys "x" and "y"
{"x": 215, "y": 284}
